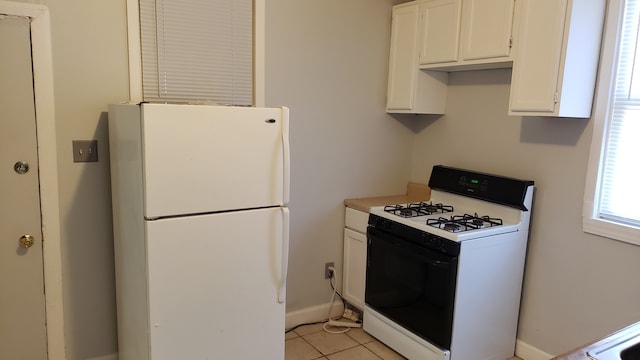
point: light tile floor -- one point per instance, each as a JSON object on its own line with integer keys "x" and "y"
{"x": 311, "y": 342}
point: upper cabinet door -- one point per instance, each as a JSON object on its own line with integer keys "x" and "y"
{"x": 538, "y": 56}
{"x": 466, "y": 34}
{"x": 411, "y": 90}
{"x": 402, "y": 60}
{"x": 486, "y": 29}
{"x": 556, "y": 57}
{"x": 440, "y": 31}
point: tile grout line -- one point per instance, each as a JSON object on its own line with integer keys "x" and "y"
{"x": 325, "y": 356}
{"x": 357, "y": 339}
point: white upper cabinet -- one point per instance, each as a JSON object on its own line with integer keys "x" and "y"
{"x": 402, "y": 65}
{"x": 553, "y": 46}
{"x": 466, "y": 34}
{"x": 486, "y": 29}
{"x": 411, "y": 90}
{"x": 440, "y": 31}
{"x": 556, "y": 58}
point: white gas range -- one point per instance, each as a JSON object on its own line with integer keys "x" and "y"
{"x": 444, "y": 277}
{"x": 468, "y": 219}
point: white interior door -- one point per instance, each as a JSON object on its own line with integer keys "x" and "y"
{"x": 214, "y": 285}
{"x": 22, "y": 309}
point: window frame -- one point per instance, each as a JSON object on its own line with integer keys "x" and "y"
{"x": 604, "y": 94}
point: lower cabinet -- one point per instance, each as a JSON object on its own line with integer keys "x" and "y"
{"x": 355, "y": 257}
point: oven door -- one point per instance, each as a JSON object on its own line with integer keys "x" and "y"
{"x": 411, "y": 285}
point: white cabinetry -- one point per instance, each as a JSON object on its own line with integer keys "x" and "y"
{"x": 411, "y": 90}
{"x": 429, "y": 37}
{"x": 556, "y": 60}
{"x": 355, "y": 257}
{"x": 486, "y": 29}
{"x": 440, "y": 30}
{"x": 466, "y": 34}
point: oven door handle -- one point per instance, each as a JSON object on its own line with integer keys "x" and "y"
{"x": 430, "y": 256}
{"x": 437, "y": 263}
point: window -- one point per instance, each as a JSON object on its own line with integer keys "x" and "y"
{"x": 196, "y": 51}
{"x": 612, "y": 193}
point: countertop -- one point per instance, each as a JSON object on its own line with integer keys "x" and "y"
{"x": 415, "y": 192}
{"x": 580, "y": 353}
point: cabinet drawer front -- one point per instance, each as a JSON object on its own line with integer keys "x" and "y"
{"x": 356, "y": 220}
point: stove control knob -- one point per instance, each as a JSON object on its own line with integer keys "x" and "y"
{"x": 424, "y": 238}
{"x": 427, "y": 239}
{"x": 484, "y": 185}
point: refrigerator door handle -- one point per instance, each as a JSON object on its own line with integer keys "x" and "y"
{"x": 286, "y": 154}
{"x": 285, "y": 255}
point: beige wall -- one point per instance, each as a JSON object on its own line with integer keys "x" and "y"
{"x": 327, "y": 61}
{"x": 577, "y": 286}
{"x": 90, "y": 71}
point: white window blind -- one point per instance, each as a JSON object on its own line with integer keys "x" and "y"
{"x": 620, "y": 168}
{"x": 197, "y": 51}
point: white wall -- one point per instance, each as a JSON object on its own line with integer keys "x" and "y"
{"x": 577, "y": 287}
{"x": 327, "y": 60}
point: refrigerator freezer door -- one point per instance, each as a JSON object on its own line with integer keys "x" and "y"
{"x": 213, "y": 286}
{"x": 201, "y": 159}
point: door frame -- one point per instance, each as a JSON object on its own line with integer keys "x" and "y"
{"x": 48, "y": 164}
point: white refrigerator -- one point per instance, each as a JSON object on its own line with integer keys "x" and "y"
{"x": 201, "y": 227}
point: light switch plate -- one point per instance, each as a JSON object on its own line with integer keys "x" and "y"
{"x": 85, "y": 150}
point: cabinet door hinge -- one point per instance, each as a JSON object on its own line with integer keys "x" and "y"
{"x": 510, "y": 42}
{"x": 556, "y": 98}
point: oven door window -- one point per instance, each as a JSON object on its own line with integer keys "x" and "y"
{"x": 411, "y": 285}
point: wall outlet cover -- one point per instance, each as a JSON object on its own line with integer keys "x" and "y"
{"x": 327, "y": 274}
{"x": 85, "y": 150}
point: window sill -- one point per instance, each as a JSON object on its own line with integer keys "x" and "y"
{"x": 625, "y": 233}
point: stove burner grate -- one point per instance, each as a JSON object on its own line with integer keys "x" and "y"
{"x": 460, "y": 223}
{"x": 418, "y": 209}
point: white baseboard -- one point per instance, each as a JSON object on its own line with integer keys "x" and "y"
{"x": 312, "y": 314}
{"x": 106, "y": 357}
{"x": 528, "y": 352}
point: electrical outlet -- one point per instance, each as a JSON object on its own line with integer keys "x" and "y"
{"x": 85, "y": 150}
{"x": 327, "y": 273}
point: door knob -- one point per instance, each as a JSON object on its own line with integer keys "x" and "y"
{"x": 26, "y": 241}
{"x": 21, "y": 167}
